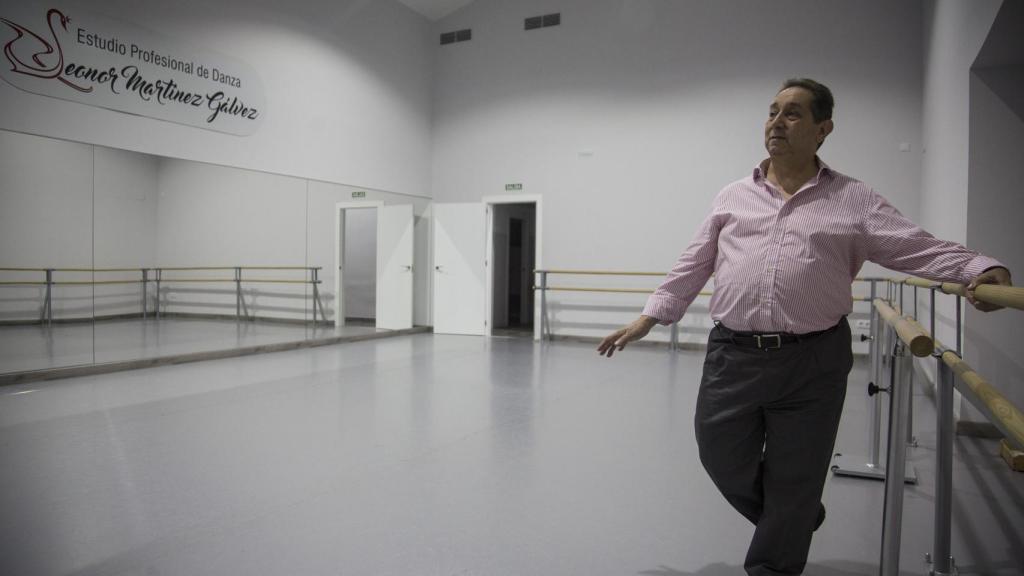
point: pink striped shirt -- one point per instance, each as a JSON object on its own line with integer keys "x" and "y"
{"x": 787, "y": 266}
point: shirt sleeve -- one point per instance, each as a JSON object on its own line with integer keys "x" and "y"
{"x": 897, "y": 243}
{"x": 690, "y": 273}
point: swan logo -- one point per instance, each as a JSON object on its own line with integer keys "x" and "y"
{"x": 39, "y": 56}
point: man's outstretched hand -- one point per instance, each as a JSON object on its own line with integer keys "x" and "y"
{"x": 618, "y": 339}
{"x": 996, "y": 275}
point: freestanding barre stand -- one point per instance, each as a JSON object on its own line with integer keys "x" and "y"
{"x": 870, "y": 466}
{"x": 911, "y": 341}
{"x": 942, "y": 563}
{"x": 545, "y": 330}
{"x": 892, "y": 516}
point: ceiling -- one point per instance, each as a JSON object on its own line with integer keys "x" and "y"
{"x": 434, "y": 10}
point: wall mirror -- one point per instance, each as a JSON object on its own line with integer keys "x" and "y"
{"x": 112, "y": 256}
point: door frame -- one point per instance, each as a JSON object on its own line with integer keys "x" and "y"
{"x": 489, "y": 202}
{"x": 339, "y": 226}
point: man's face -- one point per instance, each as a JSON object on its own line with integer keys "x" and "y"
{"x": 791, "y": 130}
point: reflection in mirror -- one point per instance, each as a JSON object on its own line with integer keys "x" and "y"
{"x": 111, "y": 256}
{"x": 217, "y": 254}
{"x": 386, "y": 280}
{"x": 46, "y": 257}
{"x": 359, "y": 261}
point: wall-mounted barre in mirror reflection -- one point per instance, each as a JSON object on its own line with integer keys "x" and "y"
{"x": 110, "y": 255}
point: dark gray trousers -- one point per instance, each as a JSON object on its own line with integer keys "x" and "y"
{"x": 766, "y": 425}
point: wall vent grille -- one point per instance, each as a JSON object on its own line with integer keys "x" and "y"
{"x": 534, "y": 22}
{"x": 457, "y": 36}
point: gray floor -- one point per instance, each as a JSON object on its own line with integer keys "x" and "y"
{"x": 424, "y": 455}
{"x": 36, "y": 347}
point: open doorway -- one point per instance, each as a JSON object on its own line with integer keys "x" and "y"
{"x": 513, "y": 242}
{"x": 358, "y": 266}
{"x": 373, "y": 257}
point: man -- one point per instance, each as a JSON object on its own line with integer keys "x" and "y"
{"x": 785, "y": 245}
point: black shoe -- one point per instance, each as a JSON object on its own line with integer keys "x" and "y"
{"x": 821, "y": 517}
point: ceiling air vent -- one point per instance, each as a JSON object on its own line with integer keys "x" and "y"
{"x": 534, "y": 22}
{"x": 457, "y": 36}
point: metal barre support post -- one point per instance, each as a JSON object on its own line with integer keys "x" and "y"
{"x": 869, "y": 466}
{"x": 48, "y": 303}
{"x": 545, "y": 328}
{"x": 878, "y": 334}
{"x": 892, "y": 519}
{"x": 941, "y": 557}
{"x": 145, "y": 284}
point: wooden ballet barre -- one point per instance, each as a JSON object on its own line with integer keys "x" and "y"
{"x": 166, "y": 280}
{"x": 184, "y": 268}
{"x": 601, "y": 272}
{"x": 280, "y": 267}
{"x": 242, "y": 280}
{"x": 1008, "y": 415}
{"x": 92, "y": 282}
{"x": 583, "y": 289}
{"x": 916, "y": 339}
{"x": 178, "y": 268}
{"x": 641, "y": 291}
{"x": 614, "y": 273}
{"x": 1003, "y": 413}
{"x": 920, "y": 283}
{"x": 612, "y": 290}
{"x": 1008, "y": 296}
{"x": 275, "y": 281}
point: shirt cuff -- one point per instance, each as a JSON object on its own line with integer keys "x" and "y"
{"x": 978, "y": 265}
{"x": 663, "y": 309}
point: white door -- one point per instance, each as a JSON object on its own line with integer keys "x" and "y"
{"x": 394, "y": 267}
{"x": 460, "y": 240}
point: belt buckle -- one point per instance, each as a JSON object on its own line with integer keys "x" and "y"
{"x": 777, "y": 337}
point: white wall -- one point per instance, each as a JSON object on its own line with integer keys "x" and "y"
{"x": 992, "y": 341}
{"x": 360, "y": 246}
{"x": 347, "y": 86}
{"x": 954, "y": 32}
{"x": 630, "y": 116}
{"x": 46, "y": 221}
{"x": 224, "y": 217}
{"x": 125, "y": 226}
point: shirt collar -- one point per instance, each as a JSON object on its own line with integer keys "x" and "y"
{"x": 761, "y": 170}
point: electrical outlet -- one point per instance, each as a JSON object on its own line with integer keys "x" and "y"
{"x": 862, "y": 324}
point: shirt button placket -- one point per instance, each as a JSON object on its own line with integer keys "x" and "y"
{"x": 778, "y": 233}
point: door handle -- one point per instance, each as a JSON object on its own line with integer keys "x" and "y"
{"x": 407, "y": 268}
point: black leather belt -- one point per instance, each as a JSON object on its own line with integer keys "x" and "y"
{"x": 769, "y": 340}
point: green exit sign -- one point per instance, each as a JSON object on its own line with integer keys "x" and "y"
{"x": 511, "y": 187}
{"x": 360, "y": 194}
